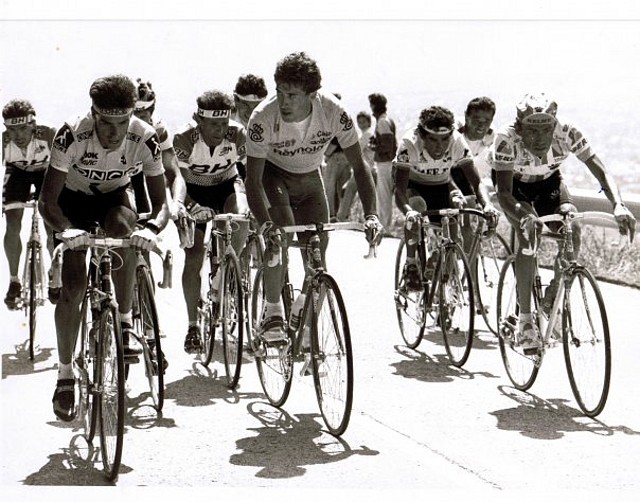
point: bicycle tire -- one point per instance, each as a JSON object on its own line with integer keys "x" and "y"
{"x": 148, "y": 328}
{"x": 274, "y": 363}
{"x": 587, "y": 348}
{"x": 457, "y": 311}
{"x": 232, "y": 319}
{"x": 84, "y": 356}
{"x": 410, "y": 305}
{"x": 111, "y": 396}
{"x": 332, "y": 356}
{"x": 251, "y": 259}
{"x": 207, "y": 321}
{"x": 493, "y": 250}
{"x": 521, "y": 369}
{"x": 32, "y": 304}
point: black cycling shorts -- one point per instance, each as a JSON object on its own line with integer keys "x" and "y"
{"x": 215, "y": 196}
{"x": 435, "y": 196}
{"x": 17, "y": 184}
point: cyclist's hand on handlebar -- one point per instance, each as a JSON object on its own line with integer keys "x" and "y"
{"x": 373, "y": 229}
{"x": 626, "y": 220}
{"x": 528, "y": 224}
{"x": 74, "y": 238}
{"x": 179, "y": 211}
{"x": 143, "y": 239}
{"x": 492, "y": 213}
{"x": 271, "y": 233}
{"x": 200, "y": 213}
{"x": 457, "y": 199}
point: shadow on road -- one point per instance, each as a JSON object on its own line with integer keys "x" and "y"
{"x": 551, "y": 419}
{"x": 437, "y": 368}
{"x": 19, "y": 363}
{"x": 285, "y": 445}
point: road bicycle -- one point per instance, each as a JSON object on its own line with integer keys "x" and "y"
{"x": 317, "y": 333}
{"x": 98, "y": 350}
{"x": 445, "y": 299}
{"x": 34, "y": 278}
{"x": 577, "y": 318}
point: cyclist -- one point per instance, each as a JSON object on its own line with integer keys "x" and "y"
{"x": 26, "y": 149}
{"x": 208, "y": 151}
{"x": 249, "y": 92}
{"x": 526, "y": 158}
{"x": 88, "y": 181}
{"x": 422, "y": 178}
{"x": 287, "y": 138}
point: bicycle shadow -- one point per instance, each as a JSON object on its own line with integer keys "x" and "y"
{"x": 18, "y": 363}
{"x": 142, "y": 415}
{"x": 551, "y": 419}
{"x": 432, "y": 368}
{"x": 202, "y": 388}
{"x": 78, "y": 465}
{"x": 284, "y": 445}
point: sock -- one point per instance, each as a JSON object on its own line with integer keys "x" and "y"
{"x": 411, "y": 260}
{"x": 126, "y": 318}
{"x": 273, "y": 309}
{"x": 14, "y": 278}
{"x": 193, "y": 323}
{"x": 65, "y": 371}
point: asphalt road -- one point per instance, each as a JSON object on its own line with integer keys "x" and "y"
{"x": 418, "y": 424}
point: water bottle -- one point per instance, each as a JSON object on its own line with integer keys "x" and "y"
{"x": 296, "y": 312}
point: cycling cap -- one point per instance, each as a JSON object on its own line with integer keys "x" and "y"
{"x": 536, "y": 109}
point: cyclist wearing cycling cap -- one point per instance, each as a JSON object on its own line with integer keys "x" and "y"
{"x": 26, "y": 149}
{"x": 422, "y": 177}
{"x": 88, "y": 180}
{"x": 526, "y": 159}
{"x": 209, "y": 150}
{"x": 286, "y": 141}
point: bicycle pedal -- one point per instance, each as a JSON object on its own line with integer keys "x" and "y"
{"x": 131, "y": 359}
{"x": 306, "y": 367}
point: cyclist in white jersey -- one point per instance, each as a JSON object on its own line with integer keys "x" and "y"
{"x": 26, "y": 149}
{"x": 422, "y": 177}
{"x": 286, "y": 140}
{"x": 249, "y": 92}
{"x": 209, "y": 151}
{"x": 526, "y": 158}
{"x": 88, "y": 181}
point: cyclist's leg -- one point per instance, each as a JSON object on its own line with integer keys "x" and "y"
{"x": 15, "y": 189}
{"x": 412, "y": 235}
{"x": 236, "y": 202}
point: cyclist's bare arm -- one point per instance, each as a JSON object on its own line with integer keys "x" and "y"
{"x": 606, "y": 181}
{"x": 177, "y": 186}
{"x": 256, "y": 196}
{"x": 511, "y": 207}
{"x": 48, "y": 202}
{"x": 401, "y": 185}
{"x": 157, "y": 194}
{"x": 363, "y": 177}
{"x": 473, "y": 177}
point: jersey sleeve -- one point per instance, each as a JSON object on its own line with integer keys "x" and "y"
{"x": 183, "y": 148}
{"x": 163, "y": 137}
{"x": 346, "y": 133}
{"x": 63, "y": 149}
{"x": 151, "y": 156}
{"x": 241, "y": 145}
{"x": 257, "y": 139}
{"x": 578, "y": 144}
{"x": 402, "y": 160}
{"x": 502, "y": 153}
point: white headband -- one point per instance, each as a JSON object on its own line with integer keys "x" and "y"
{"x": 113, "y": 112}
{"x": 440, "y": 131}
{"x": 253, "y": 98}
{"x": 144, "y": 105}
{"x": 214, "y": 114}
{"x": 16, "y": 121}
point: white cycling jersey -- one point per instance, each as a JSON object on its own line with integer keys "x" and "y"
{"x": 423, "y": 169}
{"x": 37, "y": 154}
{"x": 509, "y": 154}
{"x": 285, "y": 145}
{"x": 93, "y": 169}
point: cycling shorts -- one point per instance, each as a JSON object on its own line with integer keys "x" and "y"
{"x": 17, "y": 184}
{"x": 435, "y": 196}
{"x": 457, "y": 174}
{"x": 215, "y": 196}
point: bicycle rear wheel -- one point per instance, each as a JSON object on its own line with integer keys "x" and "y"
{"x": 84, "y": 356}
{"x": 521, "y": 369}
{"x": 148, "y": 328}
{"x": 492, "y": 253}
{"x": 410, "y": 305}
{"x": 274, "y": 362}
{"x": 457, "y": 311}
{"x": 111, "y": 391}
{"x": 332, "y": 356}
{"x": 587, "y": 349}
{"x": 232, "y": 319}
{"x": 207, "y": 317}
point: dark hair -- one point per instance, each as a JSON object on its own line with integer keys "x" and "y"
{"x": 378, "y": 103}
{"x": 481, "y": 103}
{"x": 17, "y": 108}
{"x": 114, "y": 91}
{"x": 214, "y": 100}
{"x": 435, "y": 117}
{"x": 300, "y": 70}
{"x": 251, "y": 84}
{"x": 364, "y": 115}
{"x": 146, "y": 93}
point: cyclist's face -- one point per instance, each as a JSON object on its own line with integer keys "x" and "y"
{"x": 294, "y": 103}
{"x": 144, "y": 115}
{"x": 244, "y": 109}
{"x": 437, "y": 144}
{"x": 111, "y": 131}
{"x": 21, "y": 134}
{"x": 477, "y": 123}
{"x": 213, "y": 129}
{"x": 363, "y": 123}
{"x": 537, "y": 138}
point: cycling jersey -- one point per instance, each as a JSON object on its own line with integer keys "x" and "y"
{"x": 423, "y": 169}
{"x": 202, "y": 167}
{"x": 509, "y": 154}
{"x": 93, "y": 169}
{"x": 37, "y": 154}
{"x": 165, "y": 139}
{"x": 269, "y": 137}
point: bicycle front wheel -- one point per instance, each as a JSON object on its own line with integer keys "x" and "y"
{"x": 410, "y": 305}
{"x": 493, "y": 251}
{"x": 84, "y": 356}
{"x": 332, "y": 356}
{"x": 148, "y": 328}
{"x": 35, "y": 278}
{"x": 274, "y": 362}
{"x": 587, "y": 349}
{"x": 250, "y": 261}
{"x": 207, "y": 316}
{"x": 231, "y": 318}
{"x": 521, "y": 369}
{"x": 456, "y": 314}
{"x": 111, "y": 391}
